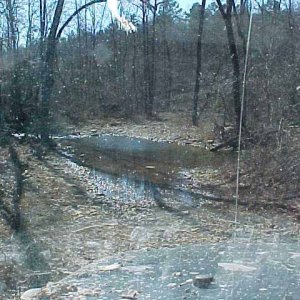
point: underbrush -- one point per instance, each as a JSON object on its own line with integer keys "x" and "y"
{"x": 272, "y": 174}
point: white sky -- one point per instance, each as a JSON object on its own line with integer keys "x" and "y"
{"x": 69, "y": 6}
{"x": 186, "y": 4}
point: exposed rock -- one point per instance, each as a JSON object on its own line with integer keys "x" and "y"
{"x": 189, "y": 281}
{"x": 110, "y": 267}
{"x": 131, "y": 294}
{"x": 203, "y": 281}
{"x": 31, "y": 294}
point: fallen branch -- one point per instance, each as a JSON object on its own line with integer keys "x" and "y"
{"x": 232, "y": 142}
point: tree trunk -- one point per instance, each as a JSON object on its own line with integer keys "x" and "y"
{"x": 2, "y": 112}
{"x": 148, "y": 108}
{"x": 238, "y": 18}
{"x": 135, "y": 107}
{"x": 152, "y": 74}
{"x": 47, "y": 74}
{"x": 30, "y": 20}
{"x": 236, "y": 85}
{"x": 198, "y": 66}
{"x": 48, "y": 62}
{"x": 167, "y": 59}
{"x": 169, "y": 75}
{"x": 12, "y": 40}
{"x": 292, "y": 56}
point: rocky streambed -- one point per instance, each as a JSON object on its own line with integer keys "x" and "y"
{"x": 82, "y": 204}
{"x": 242, "y": 269}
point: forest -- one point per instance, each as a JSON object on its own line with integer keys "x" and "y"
{"x": 99, "y": 70}
{"x": 77, "y": 67}
{"x": 224, "y": 76}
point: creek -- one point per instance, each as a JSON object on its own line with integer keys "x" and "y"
{"x": 67, "y": 230}
{"x": 139, "y": 168}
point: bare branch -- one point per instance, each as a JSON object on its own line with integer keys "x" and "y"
{"x": 76, "y": 12}
{"x": 221, "y": 8}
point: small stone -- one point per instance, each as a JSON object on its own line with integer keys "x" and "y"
{"x": 203, "y": 281}
{"x": 186, "y": 282}
{"x": 111, "y": 267}
{"x": 66, "y": 288}
{"x": 130, "y": 295}
{"x": 31, "y": 294}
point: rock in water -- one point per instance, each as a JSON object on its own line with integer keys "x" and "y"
{"x": 31, "y": 294}
{"x": 203, "y": 281}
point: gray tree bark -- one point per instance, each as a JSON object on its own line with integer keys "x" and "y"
{"x": 195, "y": 118}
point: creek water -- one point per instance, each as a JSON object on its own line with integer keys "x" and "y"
{"x": 140, "y": 168}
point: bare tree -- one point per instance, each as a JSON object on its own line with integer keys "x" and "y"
{"x": 226, "y": 13}
{"x": 149, "y": 51}
{"x": 146, "y": 59}
{"x": 12, "y": 26}
{"x": 48, "y": 61}
{"x": 198, "y": 66}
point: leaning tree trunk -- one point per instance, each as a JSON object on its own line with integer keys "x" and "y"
{"x": 236, "y": 85}
{"x": 48, "y": 64}
{"x": 199, "y": 63}
{"x": 47, "y": 73}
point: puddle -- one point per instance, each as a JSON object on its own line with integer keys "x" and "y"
{"x": 139, "y": 158}
{"x": 139, "y": 169}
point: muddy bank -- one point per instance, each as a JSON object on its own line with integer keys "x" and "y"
{"x": 258, "y": 189}
{"x": 169, "y": 127}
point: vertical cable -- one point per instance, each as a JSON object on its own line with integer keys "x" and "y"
{"x": 241, "y": 118}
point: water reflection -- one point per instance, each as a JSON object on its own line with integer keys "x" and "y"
{"x": 137, "y": 170}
